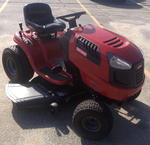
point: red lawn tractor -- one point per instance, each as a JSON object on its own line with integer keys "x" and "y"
{"x": 87, "y": 62}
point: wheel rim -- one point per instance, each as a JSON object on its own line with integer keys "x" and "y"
{"x": 11, "y": 67}
{"x": 91, "y": 124}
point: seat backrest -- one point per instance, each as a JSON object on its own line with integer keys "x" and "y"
{"x": 39, "y": 13}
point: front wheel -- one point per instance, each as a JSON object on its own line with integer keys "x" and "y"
{"x": 92, "y": 120}
{"x": 16, "y": 65}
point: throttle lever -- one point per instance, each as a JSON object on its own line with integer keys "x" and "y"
{"x": 21, "y": 29}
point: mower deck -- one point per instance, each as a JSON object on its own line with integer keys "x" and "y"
{"x": 39, "y": 92}
{"x": 27, "y": 94}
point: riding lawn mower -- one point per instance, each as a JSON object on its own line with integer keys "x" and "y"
{"x": 83, "y": 62}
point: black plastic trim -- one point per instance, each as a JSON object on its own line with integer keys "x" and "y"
{"x": 128, "y": 78}
{"x": 91, "y": 49}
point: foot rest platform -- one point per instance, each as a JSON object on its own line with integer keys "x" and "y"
{"x": 47, "y": 71}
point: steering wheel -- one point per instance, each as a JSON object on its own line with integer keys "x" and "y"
{"x": 71, "y": 18}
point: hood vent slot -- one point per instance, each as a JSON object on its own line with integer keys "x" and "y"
{"x": 86, "y": 45}
{"x": 90, "y": 50}
{"x": 115, "y": 42}
{"x": 110, "y": 40}
{"x": 119, "y": 44}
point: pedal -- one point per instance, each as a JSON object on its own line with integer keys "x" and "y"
{"x": 56, "y": 69}
{"x": 56, "y": 76}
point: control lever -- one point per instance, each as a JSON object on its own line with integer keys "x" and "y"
{"x": 81, "y": 26}
{"x": 20, "y": 25}
{"x": 21, "y": 28}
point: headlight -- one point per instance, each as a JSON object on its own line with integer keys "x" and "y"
{"x": 118, "y": 63}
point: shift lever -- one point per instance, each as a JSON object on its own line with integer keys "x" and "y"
{"x": 21, "y": 28}
{"x": 20, "y": 25}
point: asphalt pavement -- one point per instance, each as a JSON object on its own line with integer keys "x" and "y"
{"x": 38, "y": 126}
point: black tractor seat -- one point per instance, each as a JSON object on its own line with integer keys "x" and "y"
{"x": 39, "y": 18}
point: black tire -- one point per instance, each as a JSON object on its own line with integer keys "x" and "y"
{"x": 16, "y": 65}
{"x": 92, "y": 120}
{"x": 119, "y": 1}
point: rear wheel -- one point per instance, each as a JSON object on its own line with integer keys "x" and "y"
{"x": 92, "y": 120}
{"x": 120, "y": 0}
{"x": 16, "y": 65}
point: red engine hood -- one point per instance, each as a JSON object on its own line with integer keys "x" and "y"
{"x": 111, "y": 42}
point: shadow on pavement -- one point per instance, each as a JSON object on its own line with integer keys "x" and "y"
{"x": 135, "y": 130}
{"x": 120, "y": 3}
{"x": 41, "y": 117}
{"x": 125, "y": 132}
